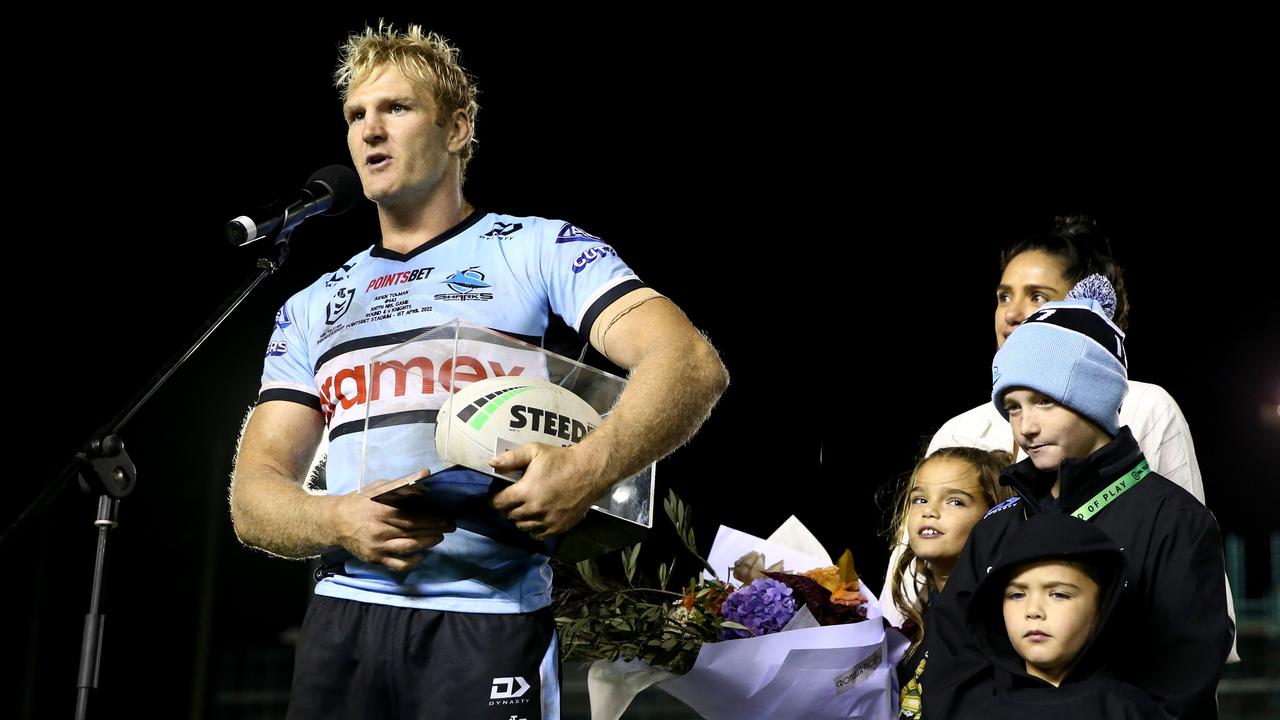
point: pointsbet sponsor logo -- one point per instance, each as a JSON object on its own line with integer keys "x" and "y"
{"x": 398, "y": 278}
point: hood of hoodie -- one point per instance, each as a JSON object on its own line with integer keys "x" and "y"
{"x": 1081, "y": 479}
{"x": 1048, "y": 536}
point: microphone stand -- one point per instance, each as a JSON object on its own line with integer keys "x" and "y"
{"x": 103, "y": 467}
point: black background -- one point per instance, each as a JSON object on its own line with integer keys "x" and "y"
{"x": 824, "y": 199}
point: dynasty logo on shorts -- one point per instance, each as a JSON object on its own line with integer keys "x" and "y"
{"x": 509, "y": 691}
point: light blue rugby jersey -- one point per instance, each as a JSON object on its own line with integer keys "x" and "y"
{"x": 499, "y": 271}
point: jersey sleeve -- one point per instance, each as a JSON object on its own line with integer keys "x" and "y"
{"x": 582, "y": 275}
{"x": 286, "y": 370}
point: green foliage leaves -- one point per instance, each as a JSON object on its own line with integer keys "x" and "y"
{"x": 599, "y": 618}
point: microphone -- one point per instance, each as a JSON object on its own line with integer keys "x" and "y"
{"x": 331, "y": 190}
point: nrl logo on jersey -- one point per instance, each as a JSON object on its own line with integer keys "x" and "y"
{"x": 501, "y": 229}
{"x": 465, "y": 284}
{"x": 339, "y": 305}
{"x": 573, "y": 233}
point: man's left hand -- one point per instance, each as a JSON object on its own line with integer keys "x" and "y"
{"x": 555, "y": 492}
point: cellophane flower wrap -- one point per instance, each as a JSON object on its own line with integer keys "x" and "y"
{"x": 800, "y": 638}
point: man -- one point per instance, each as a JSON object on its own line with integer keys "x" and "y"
{"x": 428, "y": 620}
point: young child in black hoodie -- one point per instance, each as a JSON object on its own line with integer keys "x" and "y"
{"x": 1060, "y": 379}
{"x": 1041, "y": 616}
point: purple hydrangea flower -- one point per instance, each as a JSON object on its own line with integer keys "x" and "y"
{"x": 764, "y": 606}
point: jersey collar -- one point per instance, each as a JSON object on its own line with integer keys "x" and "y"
{"x": 381, "y": 252}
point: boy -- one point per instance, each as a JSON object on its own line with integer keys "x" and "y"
{"x": 1060, "y": 379}
{"x": 1042, "y": 615}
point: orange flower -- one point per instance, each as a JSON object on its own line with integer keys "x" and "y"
{"x": 840, "y": 580}
{"x": 848, "y": 597}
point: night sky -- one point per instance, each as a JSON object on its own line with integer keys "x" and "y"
{"x": 829, "y": 213}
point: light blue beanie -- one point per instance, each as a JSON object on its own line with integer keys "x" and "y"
{"x": 1072, "y": 352}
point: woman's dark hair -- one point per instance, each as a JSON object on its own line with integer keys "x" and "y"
{"x": 1083, "y": 249}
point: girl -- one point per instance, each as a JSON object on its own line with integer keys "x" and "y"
{"x": 946, "y": 495}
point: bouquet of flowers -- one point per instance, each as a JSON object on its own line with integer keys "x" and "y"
{"x": 778, "y": 643}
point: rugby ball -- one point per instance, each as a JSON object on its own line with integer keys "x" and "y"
{"x": 517, "y": 409}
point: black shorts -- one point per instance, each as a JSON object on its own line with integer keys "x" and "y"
{"x": 360, "y": 660}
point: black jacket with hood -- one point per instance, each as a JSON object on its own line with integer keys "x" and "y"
{"x": 1089, "y": 689}
{"x": 1171, "y": 623}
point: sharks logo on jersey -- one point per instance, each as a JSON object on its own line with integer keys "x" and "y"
{"x": 573, "y": 233}
{"x": 464, "y": 281}
{"x": 464, "y": 284}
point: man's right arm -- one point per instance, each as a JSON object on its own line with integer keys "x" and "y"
{"x": 271, "y": 510}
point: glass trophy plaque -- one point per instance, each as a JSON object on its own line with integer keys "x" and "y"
{"x": 411, "y": 391}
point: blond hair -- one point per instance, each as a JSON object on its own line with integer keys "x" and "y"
{"x": 426, "y": 58}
